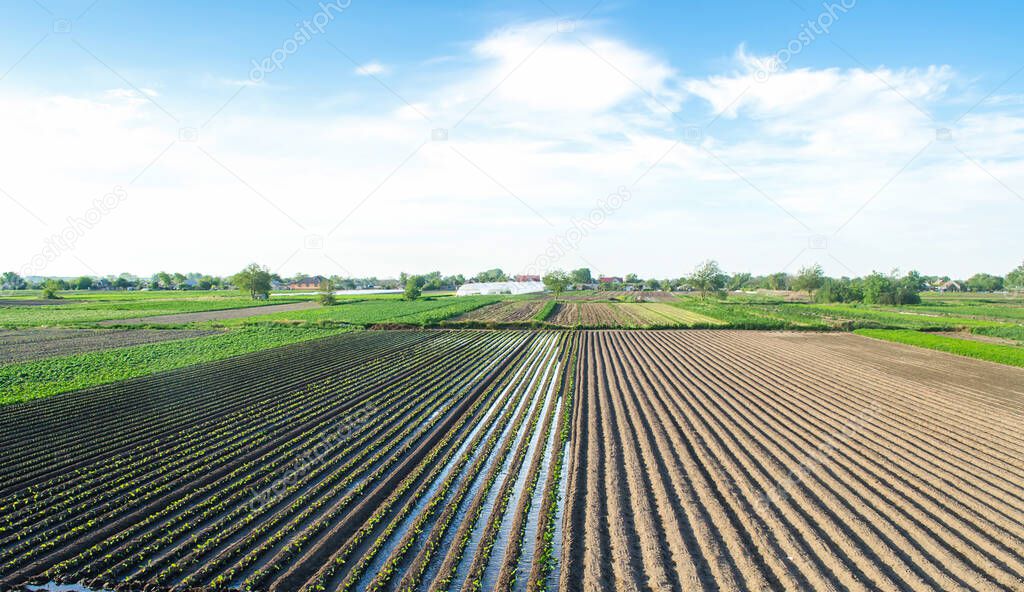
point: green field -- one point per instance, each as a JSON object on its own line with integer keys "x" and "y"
{"x": 1002, "y": 354}
{"x": 76, "y": 310}
{"x": 989, "y": 315}
{"x": 380, "y": 310}
{"x": 41, "y": 378}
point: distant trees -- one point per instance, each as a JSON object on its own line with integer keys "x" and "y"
{"x": 739, "y": 281}
{"x": 51, "y": 289}
{"x": 83, "y": 283}
{"x": 12, "y": 281}
{"x": 892, "y": 289}
{"x": 809, "y": 279}
{"x": 412, "y": 288}
{"x": 326, "y": 294}
{"x": 778, "y": 281}
{"x": 983, "y": 282}
{"x": 253, "y": 279}
{"x": 839, "y": 290}
{"x": 491, "y": 275}
{"x": 708, "y": 277}
{"x": 581, "y": 276}
{"x": 557, "y": 281}
{"x": 1015, "y": 279}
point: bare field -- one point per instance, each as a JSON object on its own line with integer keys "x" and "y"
{"x": 706, "y": 460}
{"x": 516, "y": 311}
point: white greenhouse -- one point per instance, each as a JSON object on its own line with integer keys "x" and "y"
{"x": 490, "y": 288}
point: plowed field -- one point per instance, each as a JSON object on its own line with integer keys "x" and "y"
{"x": 763, "y": 461}
{"x": 366, "y": 461}
{"x": 528, "y": 460}
{"x": 519, "y": 311}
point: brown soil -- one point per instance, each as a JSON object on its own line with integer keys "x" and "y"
{"x": 504, "y": 312}
{"x": 760, "y": 461}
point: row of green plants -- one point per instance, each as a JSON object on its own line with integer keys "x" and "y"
{"x": 42, "y": 378}
{"x": 546, "y": 558}
{"x": 86, "y": 312}
{"x": 337, "y": 478}
{"x": 431, "y": 547}
{"x": 401, "y": 447}
{"x": 147, "y": 492}
{"x": 440, "y": 499}
{"x": 1002, "y": 354}
{"x": 448, "y": 445}
{"x": 171, "y": 403}
{"x": 489, "y": 539}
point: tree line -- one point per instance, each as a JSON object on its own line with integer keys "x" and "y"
{"x": 707, "y": 279}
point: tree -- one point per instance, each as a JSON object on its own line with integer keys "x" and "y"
{"x": 778, "y": 281}
{"x": 582, "y": 276}
{"x": 491, "y": 275}
{"x": 12, "y": 281}
{"x": 556, "y": 281}
{"x": 738, "y": 281}
{"x": 164, "y": 280}
{"x": 412, "y": 288}
{"x": 1014, "y": 280}
{"x": 432, "y": 281}
{"x": 983, "y": 282}
{"x": 708, "y": 277}
{"x": 809, "y": 279}
{"x": 892, "y": 289}
{"x": 326, "y": 297}
{"x": 841, "y": 290}
{"x": 83, "y": 283}
{"x": 253, "y": 279}
{"x": 51, "y": 289}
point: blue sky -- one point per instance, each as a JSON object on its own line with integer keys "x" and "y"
{"x": 330, "y": 163}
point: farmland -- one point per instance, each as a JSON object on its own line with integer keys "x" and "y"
{"x": 87, "y": 309}
{"x": 508, "y": 312}
{"x": 594, "y": 315}
{"x": 294, "y": 478}
{"x": 757, "y": 461}
{"x": 35, "y": 344}
{"x": 522, "y": 460}
{"x": 499, "y": 464}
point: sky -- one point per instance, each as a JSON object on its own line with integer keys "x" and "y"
{"x": 369, "y": 138}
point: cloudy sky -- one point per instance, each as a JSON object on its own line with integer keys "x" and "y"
{"x": 361, "y": 138}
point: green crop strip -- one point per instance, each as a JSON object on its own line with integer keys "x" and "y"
{"x": 42, "y": 378}
{"x": 1002, "y": 354}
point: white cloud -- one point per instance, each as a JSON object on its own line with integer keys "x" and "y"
{"x": 546, "y": 119}
{"x": 371, "y": 69}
